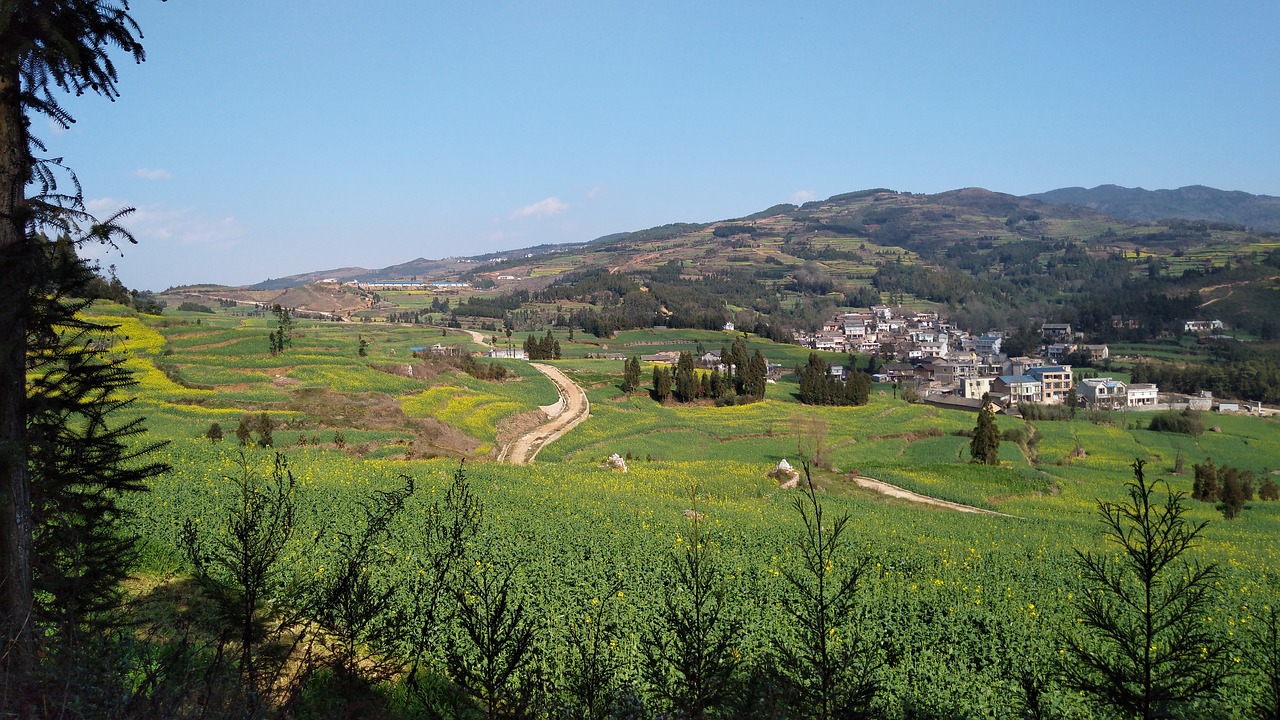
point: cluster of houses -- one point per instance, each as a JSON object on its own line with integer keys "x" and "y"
{"x": 947, "y": 364}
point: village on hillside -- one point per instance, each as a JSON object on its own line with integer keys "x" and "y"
{"x": 946, "y": 365}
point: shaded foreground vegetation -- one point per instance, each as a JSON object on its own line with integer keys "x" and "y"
{"x": 550, "y": 604}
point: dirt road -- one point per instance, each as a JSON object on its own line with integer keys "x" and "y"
{"x": 885, "y": 488}
{"x": 562, "y": 416}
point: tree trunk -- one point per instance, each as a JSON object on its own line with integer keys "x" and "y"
{"x": 18, "y": 649}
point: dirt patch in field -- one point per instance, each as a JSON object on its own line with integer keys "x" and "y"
{"x": 433, "y": 438}
{"x": 514, "y": 426}
{"x": 375, "y": 411}
{"x": 371, "y": 411}
{"x": 416, "y": 370}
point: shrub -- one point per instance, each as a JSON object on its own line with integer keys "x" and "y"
{"x": 1143, "y": 648}
{"x": 984, "y": 448}
{"x": 1237, "y": 489}
{"x": 831, "y": 667}
{"x": 1268, "y": 490}
{"x": 1040, "y": 411}
{"x": 1187, "y": 422}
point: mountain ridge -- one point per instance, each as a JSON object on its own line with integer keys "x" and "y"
{"x": 1190, "y": 202}
{"x": 876, "y": 214}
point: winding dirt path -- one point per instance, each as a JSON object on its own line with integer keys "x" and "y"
{"x": 479, "y": 337}
{"x": 885, "y": 488}
{"x": 563, "y": 415}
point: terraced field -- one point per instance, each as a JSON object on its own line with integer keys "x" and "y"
{"x": 961, "y": 605}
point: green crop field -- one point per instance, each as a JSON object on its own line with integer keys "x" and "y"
{"x": 961, "y": 605}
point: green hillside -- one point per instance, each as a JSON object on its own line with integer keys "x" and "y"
{"x": 962, "y": 610}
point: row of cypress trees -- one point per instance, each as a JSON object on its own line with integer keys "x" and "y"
{"x": 819, "y": 387}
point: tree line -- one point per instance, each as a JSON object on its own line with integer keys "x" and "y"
{"x": 544, "y": 348}
{"x": 818, "y": 386}
{"x": 743, "y": 380}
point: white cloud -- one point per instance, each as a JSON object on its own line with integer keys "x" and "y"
{"x": 183, "y": 227}
{"x": 543, "y": 208}
{"x": 801, "y": 197}
{"x": 595, "y": 192}
{"x": 152, "y": 174}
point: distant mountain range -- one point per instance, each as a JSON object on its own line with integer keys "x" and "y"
{"x": 884, "y": 217}
{"x": 1194, "y": 202}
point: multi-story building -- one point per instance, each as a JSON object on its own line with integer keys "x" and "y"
{"x": 976, "y": 387}
{"x": 1055, "y": 382}
{"x": 988, "y": 344}
{"x": 1057, "y": 331}
{"x": 1017, "y": 389}
{"x": 1103, "y": 393}
{"x": 1143, "y": 394}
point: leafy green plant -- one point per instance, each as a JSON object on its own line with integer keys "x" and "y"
{"x": 830, "y": 666}
{"x": 242, "y": 568}
{"x": 354, "y": 600}
{"x": 498, "y": 633}
{"x": 1264, "y": 661}
{"x": 690, "y": 652}
{"x": 984, "y": 448}
{"x": 1143, "y": 648}
{"x": 593, "y": 661}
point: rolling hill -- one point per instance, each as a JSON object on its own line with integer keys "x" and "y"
{"x": 1194, "y": 202}
{"x": 987, "y": 259}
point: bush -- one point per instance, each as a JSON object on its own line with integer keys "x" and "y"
{"x": 1187, "y": 422}
{"x": 1040, "y": 411}
{"x": 1269, "y": 490}
{"x": 195, "y": 307}
{"x": 1141, "y": 646}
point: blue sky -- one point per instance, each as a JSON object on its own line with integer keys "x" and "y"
{"x": 263, "y": 139}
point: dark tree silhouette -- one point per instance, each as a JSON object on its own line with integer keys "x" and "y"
{"x": 985, "y": 446}
{"x": 45, "y": 46}
{"x": 1143, "y": 648}
{"x": 830, "y": 666}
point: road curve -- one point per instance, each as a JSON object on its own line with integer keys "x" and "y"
{"x": 571, "y": 409}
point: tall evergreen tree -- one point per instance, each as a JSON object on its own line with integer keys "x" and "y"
{"x": 715, "y": 383}
{"x": 686, "y": 379}
{"x": 82, "y": 455}
{"x": 757, "y": 371}
{"x": 738, "y": 365}
{"x": 984, "y": 448}
{"x": 45, "y": 46}
{"x": 631, "y": 374}
{"x": 691, "y": 650}
{"x": 1142, "y": 647}
{"x": 661, "y": 382}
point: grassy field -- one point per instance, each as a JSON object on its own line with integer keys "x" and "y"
{"x": 960, "y": 602}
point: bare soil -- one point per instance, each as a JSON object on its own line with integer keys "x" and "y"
{"x": 561, "y": 417}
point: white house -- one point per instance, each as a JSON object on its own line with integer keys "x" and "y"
{"x": 1143, "y": 394}
{"x": 976, "y": 387}
{"x": 1201, "y": 325}
{"x": 1103, "y": 392}
{"x": 988, "y": 344}
{"x": 934, "y": 348}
